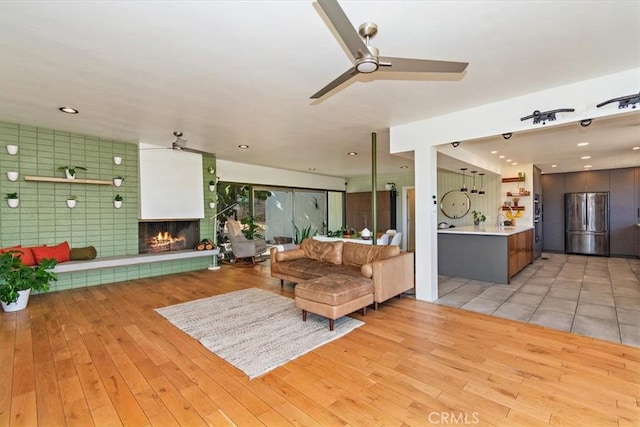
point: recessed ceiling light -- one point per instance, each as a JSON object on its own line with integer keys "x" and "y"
{"x": 514, "y": 164}
{"x": 352, "y": 153}
{"x": 404, "y": 167}
{"x": 582, "y": 144}
{"x": 508, "y": 160}
{"x": 494, "y": 152}
{"x": 588, "y": 166}
{"x": 554, "y": 166}
{"x": 636, "y": 148}
{"x": 585, "y": 157}
{"x": 68, "y": 110}
{"x": 501, "y": 157}
{"x": 312, "y": 169}
{"x": 243, "y": 146}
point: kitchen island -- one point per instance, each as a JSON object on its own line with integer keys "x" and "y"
{"x": 487, "y": 253}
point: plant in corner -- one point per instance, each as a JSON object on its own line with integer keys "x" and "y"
{"x": 17, "y": 280}
{"x": 478, "y": 217}
{"x": 70, "y": 171}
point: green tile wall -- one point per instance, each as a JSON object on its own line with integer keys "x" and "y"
{"x": 44, "y": 218}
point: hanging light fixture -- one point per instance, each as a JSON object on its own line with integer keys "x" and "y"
{"x": 481, "y": 192}
{"x": 474, "y": 190}
{"x": 464, "y": 185}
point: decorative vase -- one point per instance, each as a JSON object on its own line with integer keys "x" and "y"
{"x": 12, "y": 149}
{"x": 117, "y": 160}
{"x": 13, "y": 203}
{"x": 69, "y": 175}
{"x": 12, "y": 176}
{"x": 117, "y": 182}
{"x": 365, "y": 234}
{"x": 117, "y": 204}
{"x": 20, "y": 304}
{"x": 71, "y": 203}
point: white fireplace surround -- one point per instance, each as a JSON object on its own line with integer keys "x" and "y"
{"x": 171, "y": 184}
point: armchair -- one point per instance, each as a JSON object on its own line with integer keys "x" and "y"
{"x": 240, "y": 245}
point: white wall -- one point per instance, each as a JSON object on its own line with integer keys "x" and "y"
{"x": 492, "y": 119}
{"x": 251, "y": 174}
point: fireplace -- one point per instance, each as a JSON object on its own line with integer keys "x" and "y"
{"x": 166, "y": 236}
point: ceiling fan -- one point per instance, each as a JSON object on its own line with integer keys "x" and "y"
{"x": 181, "y": 144}
{"x": 367, "y": 58}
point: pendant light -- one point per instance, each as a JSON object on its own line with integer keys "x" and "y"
{"x": 464, "y": 185}
{"x": 474, "y": 190}
{"x": 481, "y": 192}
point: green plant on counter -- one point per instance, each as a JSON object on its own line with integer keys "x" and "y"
{"x": 478, "y": 217}
{"x": 305, "y": 233}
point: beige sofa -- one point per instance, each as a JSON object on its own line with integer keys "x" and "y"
{"x": 390, "y": 271}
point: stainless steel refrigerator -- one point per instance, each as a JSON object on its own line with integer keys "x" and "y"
{"x": 587, "y": 223}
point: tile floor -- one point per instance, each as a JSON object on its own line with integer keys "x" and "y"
{"x": 592, "y": 296}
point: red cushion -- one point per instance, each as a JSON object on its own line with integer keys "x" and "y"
{"x": 59, "y": 252}
{"x": 10, "y": 248}
{"x": 27, "y": 256}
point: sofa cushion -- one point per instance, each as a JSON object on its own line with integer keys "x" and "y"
{"x": 289, "y": 255}
{"x": 323, "y": 251}
{"x": 306, "y": 268}
{"x": 357, "y": 254}
{"x": 58, "y": 252}
{"x": 334, "y": 289}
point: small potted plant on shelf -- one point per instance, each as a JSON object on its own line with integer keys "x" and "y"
{"x": 12, "y": 200}
{"x": 17, "y": 280}
{"x": 117, "y": 201}
{"x": 71, "y": 201}
{"x": 212, "y": 185}
{"x": 478, "y": 217}
{"x": 117, "y": 181}
{"x": 70, "y": 171}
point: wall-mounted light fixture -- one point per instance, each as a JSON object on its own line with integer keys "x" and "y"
{"x": 464, "y": 188}
{"x": 547, "y": 116}
{"x": 624, "y": 101}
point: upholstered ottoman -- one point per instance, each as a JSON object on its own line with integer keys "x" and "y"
{"x": 334, "y": 296}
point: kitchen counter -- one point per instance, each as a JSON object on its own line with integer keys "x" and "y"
{"x": 487, "y": 230}
{"x": 487, "y": 253}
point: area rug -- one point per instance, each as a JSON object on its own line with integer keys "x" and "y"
{"x": 253, "y": 329}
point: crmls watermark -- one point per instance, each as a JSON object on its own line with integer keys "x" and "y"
{"x": 453, "y": 418}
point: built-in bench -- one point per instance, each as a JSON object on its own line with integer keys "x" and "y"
{"x": 124, "y": 260}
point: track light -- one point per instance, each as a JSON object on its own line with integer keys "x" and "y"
{"x": 507, "y": 135}
{"x": 624, "y": 101}
{"x": 455, "y": 144}
{"x": 586, "y": 122}
{"x": 547, "y": 116}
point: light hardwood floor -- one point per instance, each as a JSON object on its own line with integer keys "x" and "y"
{"x": 101, "y": 356}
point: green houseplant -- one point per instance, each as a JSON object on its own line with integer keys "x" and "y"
{"x": 12, "y": 200}
{"x": 251, "y": 229}
{"x": 70, "y": 171}
{"x": 117, "y": 201}
{"x": 71, "y": 201}
{"x": 478, "y": 217}
{"x": 302, "y": 234}
{"x": 17, "y": 280}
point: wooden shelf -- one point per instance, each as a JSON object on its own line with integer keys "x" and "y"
{"x": 67, "y": 181}
{"x": 518, "y": 195}
{"x": 515, "y": 208}
{"x": 516, "y": 179}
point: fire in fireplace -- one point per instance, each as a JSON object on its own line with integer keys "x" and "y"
{"x": 164, "y": 236}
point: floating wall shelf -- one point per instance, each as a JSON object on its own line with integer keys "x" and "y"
{"x": 67, "y": 181}
{"x": 516, "y": 179}
{"x": 515, "y": 208}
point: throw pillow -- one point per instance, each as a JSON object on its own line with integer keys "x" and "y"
{"x": 10, "y": 248}
{"x": 27, "y": 257}
{"x": 83, "y": 254}
{"x": 59, "y": 252}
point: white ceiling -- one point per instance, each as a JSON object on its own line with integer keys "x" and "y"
{"x": 241, "y": 72}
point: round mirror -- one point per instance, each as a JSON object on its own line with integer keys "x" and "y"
{"x": 455, "y": 204}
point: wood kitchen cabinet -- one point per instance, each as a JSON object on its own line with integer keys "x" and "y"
{"x": 520, "y": 251}
{"x": 358, "y": 207}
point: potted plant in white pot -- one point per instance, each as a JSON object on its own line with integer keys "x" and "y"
{"x": 71, "y": 201}
{"x": 117, "y": 201}
{"x": 17, "y": 280}
{"x": 12, "y": 200}
{"x": 117, "y": 181}
{"x": 478, "y": 217}
{"x": 212, "y": 185}
{"x": 70, "y": 171}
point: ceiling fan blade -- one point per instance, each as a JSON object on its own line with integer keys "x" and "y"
{"x": 343, "y": 26}
{"x": 421, "y": 65}
{"x": 337, "y": 82}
